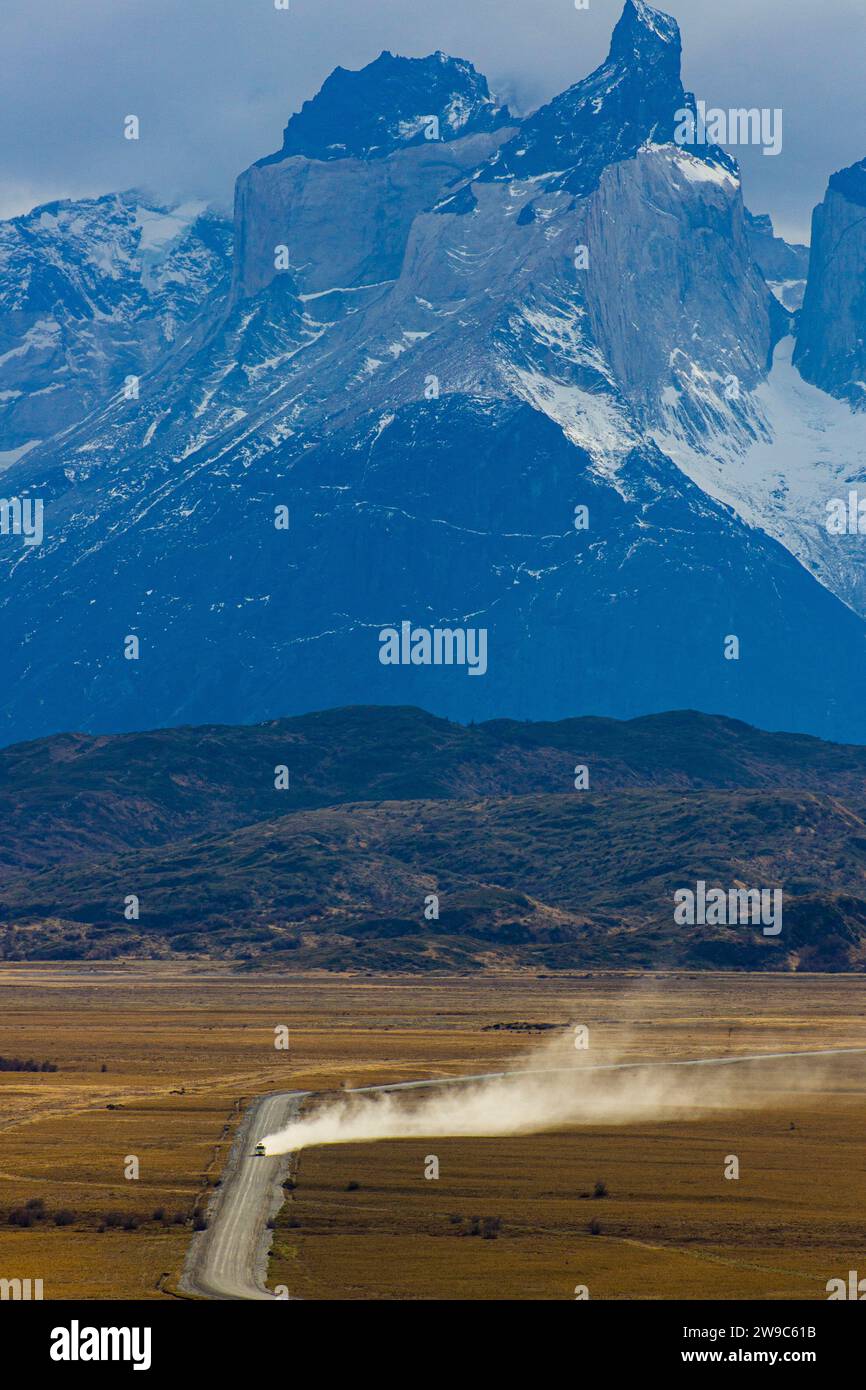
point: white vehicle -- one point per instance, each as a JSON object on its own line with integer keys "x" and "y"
{"x": 259, "y": 1151}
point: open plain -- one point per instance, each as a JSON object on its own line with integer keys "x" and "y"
{"x": 157, "y": 1061}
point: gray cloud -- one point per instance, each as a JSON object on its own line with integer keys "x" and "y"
{"x": 214, "y": 81}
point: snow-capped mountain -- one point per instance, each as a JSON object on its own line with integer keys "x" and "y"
{"x": 471, "y": 374}
{"x": 787, "y": 456}
{"x": 91, "y": 292}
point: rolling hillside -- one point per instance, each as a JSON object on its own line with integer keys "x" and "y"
{"x": 386, "y": 807}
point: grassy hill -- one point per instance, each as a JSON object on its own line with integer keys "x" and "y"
{"x": 388, "y": 806}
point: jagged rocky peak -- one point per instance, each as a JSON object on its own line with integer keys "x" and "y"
{"x": 643, "y": 30}
{"x": 831, "y": 346}
{"x": 783, "y": 264}
{"x": 391, "y": 103}
{"x": 394, "y": 136}
{"x": 632, "y": 99}
{"x": 851, "y": 183}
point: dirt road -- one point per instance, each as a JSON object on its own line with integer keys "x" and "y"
{"x": 230, "y": 1259}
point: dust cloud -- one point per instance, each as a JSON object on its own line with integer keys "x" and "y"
{"x": 559, "y": 1091}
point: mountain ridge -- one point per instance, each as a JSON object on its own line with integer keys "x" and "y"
{"x": 387, "y": 806}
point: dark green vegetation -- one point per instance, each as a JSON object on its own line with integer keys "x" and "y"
{"x": 388, "y": 806}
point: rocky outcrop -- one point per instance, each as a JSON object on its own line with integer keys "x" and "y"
{"x": 357, "y": 164}
{"x": 677, "y": 303}
{"x": 390, "y": 104}
{"x": 90, "y": 292}
{"x": 831, "y": 347}
{"x": 634, "y": 97}
{"x": 344, "y": 223}
{"x": 783, "y": 264}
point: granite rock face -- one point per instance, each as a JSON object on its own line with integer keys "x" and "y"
{"x": 784, "y": 266}
{"x": 671, "y": 254}
{"x": 357, "y": 164}
{"x": 344, "y": 223}
{"x": 831, "y": 347}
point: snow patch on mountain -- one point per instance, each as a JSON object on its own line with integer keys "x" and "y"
{"x": 590, "y": 419}
{"x": 694, "y": 169}
{"x": 811, "y": 448}
{"x": 664, "y": 26}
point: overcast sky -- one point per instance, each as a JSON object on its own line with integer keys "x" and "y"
{"x": 214, "y": 81}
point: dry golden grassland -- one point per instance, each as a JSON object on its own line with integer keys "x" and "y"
{"x": 185, "y": 1047}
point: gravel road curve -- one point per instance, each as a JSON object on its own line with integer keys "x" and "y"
{"x": 230, "y": 1259}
